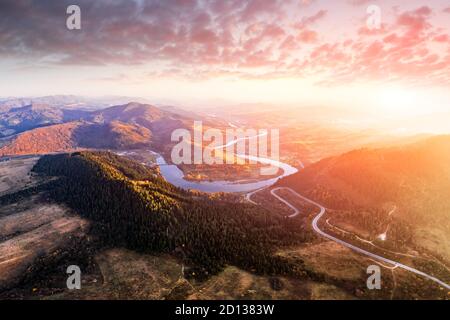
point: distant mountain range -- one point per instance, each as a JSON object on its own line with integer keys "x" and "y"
{"x": 67, "y": 102}
{"x": 42, "y": 128}
{"x": 19, "y": 119}
{"x": 75, "y": 135}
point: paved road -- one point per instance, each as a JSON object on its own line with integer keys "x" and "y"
{"x": 346, "y": 244}
{"x": 296, "y": 211}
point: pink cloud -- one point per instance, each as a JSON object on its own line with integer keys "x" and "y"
{"x": 236, "y": 37}
{"x": 442, "y": 38}
{"x": 360, "y": 2}
{"x": 307, "y": 36}
{"x": 306, "y": 21}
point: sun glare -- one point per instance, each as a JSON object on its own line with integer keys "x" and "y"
{"x": 398, "y": 102}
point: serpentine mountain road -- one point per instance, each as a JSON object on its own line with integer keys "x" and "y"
{"x": 342, "y": 242}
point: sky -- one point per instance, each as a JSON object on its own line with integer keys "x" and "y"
{"x": 212, "y": 52}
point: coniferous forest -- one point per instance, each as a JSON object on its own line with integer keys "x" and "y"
{"x": 130, "y": 205}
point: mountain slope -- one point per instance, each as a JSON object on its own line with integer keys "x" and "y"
{"x": 400, "y": 194}
{"x": 113, "y": 135}
{"x": 369, "y": 176}
{"x": 131, "y": 112}
{"x": 131, "y": 208}
{"x": 40, "y": 128}
{"x": 75, "y": 135}
{"x": 160, "y": 122}
{"x": 18, "y": 119}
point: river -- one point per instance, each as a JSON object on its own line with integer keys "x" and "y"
{"x": 175, "y": 176}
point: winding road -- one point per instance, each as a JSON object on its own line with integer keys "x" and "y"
{"x": 342, "y": 242}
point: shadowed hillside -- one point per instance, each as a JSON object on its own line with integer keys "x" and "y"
{"x": 18, "y": 119}
{"x": 161, "y": 123}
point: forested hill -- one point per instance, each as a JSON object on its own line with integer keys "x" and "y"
{"x": 408, "y": 184}
{"x": 134, "y": 207}
{"x": 373, "y": 176}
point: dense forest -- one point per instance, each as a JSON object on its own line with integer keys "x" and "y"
{"x": 396, "y": 198}
{"x": 414, "y": 178}
{"x": 132, "y": 206}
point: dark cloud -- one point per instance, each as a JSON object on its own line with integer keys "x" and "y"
{"x": 133, "y": 32}
{"x": 222, "y": 37}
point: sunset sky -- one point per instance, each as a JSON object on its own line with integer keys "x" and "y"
{"x": 199, "y": 52}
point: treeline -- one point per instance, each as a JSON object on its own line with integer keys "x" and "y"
{"x": 141, "y": 211}
{"x": 20, "y": 195}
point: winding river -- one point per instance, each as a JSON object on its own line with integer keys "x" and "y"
{"x": 175, "y": 176}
